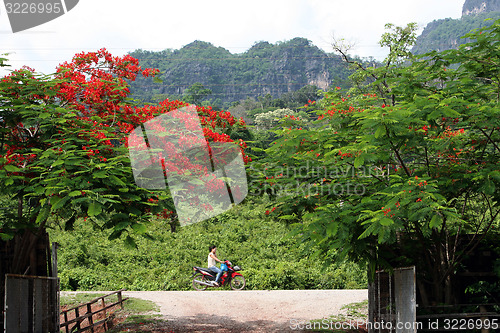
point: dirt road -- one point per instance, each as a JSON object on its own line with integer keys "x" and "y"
{"x": 246, "y": 311}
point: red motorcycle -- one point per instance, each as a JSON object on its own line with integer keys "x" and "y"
{"x": 205, "y": 277}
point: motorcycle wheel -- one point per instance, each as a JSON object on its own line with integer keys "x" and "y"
{"x": 198, "y": 286}
{"x": 238, "y": 282}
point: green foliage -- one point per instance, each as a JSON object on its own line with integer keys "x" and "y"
{"x": 50, "y": 170}
{"x": 354, "y": 314}
{"x": 404, "y": 163}
{"x": 88, "y": 260}
{"x": 251, "y": 108}
{"x": 270, "y": 119}
{"x": 196, "y": 93}
{"x": 137, "y": 305}
{"x": 398, "y": 40}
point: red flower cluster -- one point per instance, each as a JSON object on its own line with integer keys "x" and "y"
{"x": 449, "y": 133}
{"x": 270, "y": 211}
{"x": 387, "y": 212}
{"x": 293, "y": 117}
{"x": 95, "y": 86}
{"x": 165, "y": 214}
{"x": 97, "y": 81}
{"x": 342, "y": 155}
{"x": 215, "y": 185}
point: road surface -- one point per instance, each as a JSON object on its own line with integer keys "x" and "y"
{"x": 245, "y": 311}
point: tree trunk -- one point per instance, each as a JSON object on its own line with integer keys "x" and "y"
{"x": 29, "y": 255}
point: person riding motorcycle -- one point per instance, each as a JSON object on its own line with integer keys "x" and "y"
{"x": 212, "y": 258}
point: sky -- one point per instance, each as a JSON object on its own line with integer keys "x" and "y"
{"x": 121, "y": 26}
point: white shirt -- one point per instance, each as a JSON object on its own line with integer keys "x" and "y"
{"x": 211, "y": 261}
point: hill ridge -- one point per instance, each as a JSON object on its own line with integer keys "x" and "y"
{"x": 264, "y": 69}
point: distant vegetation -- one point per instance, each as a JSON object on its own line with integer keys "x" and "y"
{"x": 264, "y": 69}
{"x": 446, "y": 34}
{"x": 245, "y": 235}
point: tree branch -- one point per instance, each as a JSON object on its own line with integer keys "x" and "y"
{"x": 489, "y": 138}
{"x": 396, "y": 151}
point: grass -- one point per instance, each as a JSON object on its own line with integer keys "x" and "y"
{"x": 135, "y": 312}
{"x": 136, "y": 305}
{"x": 71, "y": 300}
{"x": 355, "y": 314}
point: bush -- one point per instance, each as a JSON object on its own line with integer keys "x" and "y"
{"x": 245, "y": 235}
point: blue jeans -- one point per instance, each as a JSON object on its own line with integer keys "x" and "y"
{"x": 218, "y": 271}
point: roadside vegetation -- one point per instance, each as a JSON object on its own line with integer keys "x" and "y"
{"x": 261, "y": 245}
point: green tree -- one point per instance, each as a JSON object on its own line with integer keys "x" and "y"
{"x": 374, "y": 78}
{"x": 196, "y": 93}
{"x": 406, "y": 170}
{"x": 270, "y": 119}
{"x": 59, "y": 157}
{"x": 64, "y": 150}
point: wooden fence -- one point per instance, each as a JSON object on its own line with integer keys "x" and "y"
{"x": 84, "y": 315}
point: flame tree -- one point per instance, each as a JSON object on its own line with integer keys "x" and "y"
{"x": 404, "y": 169}
{"x": 63, "y": 149}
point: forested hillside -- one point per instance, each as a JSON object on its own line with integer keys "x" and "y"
{"x": 264, "y": 69}
{"x": 445, "y": 34}
{"x": 272, "y": 70}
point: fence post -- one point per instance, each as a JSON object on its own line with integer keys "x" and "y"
{"x": 77, "y": 314}
{"x": 103, "y": 304}
{"x": 90, "y": 315}
{"x": 120, "y": 299}
{"x": 65, "y": 320}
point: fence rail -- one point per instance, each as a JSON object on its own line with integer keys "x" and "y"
{"x": 88, "y": 314}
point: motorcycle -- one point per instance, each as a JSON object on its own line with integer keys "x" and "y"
{"x": 205, "y": 277}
